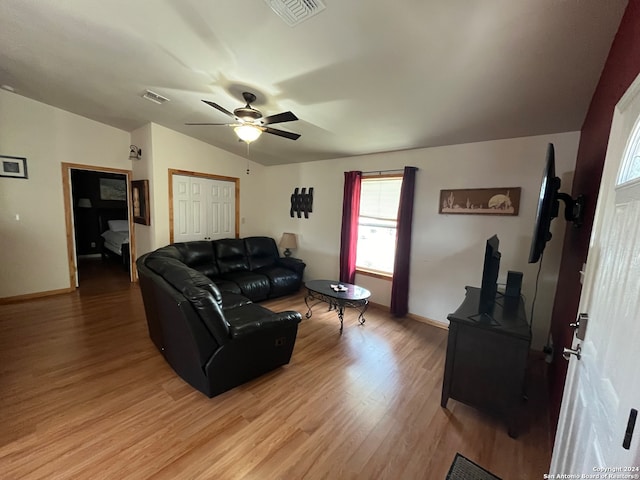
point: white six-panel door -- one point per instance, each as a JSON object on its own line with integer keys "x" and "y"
{"x": 203, "y": 208}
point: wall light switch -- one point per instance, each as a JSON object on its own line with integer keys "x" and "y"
{"x": 17, "y": 217}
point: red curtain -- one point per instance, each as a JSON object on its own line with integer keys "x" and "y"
{"x": 400, "y": 285}
{"x": 349, "y": 235}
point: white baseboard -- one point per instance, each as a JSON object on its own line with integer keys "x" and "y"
{"x": 413, "y": 316}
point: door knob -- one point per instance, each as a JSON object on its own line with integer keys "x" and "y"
{"x": 567, "y": 352}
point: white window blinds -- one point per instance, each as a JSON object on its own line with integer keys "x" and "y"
{"x": 379, "y": 198}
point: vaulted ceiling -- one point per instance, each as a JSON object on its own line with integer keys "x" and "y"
{"x": 363, "y": 77}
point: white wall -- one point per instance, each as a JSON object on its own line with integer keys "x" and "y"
{"x": 447, "y": 250}
{"x": 33, "y": 250}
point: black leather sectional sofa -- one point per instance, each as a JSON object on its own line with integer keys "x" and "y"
{"x": 198, "y": 299}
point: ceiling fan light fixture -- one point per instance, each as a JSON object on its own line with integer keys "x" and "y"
{"x": 247, "y": 133}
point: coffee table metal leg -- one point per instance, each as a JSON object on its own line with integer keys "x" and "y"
{"x": 361, "y": 318}
{"x": 340, "y": 316}
{"x": 306, "y": 302}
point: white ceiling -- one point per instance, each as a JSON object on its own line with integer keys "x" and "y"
{"x": 362, "y": 76}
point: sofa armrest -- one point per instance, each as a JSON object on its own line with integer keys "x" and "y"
{"x": 252, "y": 319}
{"x": 209, "y": 311}
{"x": 294, "y": 264}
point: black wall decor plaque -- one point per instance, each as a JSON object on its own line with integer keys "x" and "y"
{"x": 301, "y": 202}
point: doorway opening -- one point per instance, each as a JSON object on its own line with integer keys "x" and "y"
{"x": 100, "y": 236}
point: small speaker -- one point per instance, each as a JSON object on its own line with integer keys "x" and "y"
{"x": 514, "y": 284}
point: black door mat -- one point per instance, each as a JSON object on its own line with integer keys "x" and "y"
{"x": 464, "y": 469}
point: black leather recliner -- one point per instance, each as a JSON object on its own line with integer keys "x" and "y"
{"x": 200, "y": 311}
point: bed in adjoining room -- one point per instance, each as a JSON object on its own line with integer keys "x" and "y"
{"x": 115, "y": 240}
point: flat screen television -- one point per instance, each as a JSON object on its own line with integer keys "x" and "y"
{"x": 490, "y": 271}
{"x": 547, "y": 206}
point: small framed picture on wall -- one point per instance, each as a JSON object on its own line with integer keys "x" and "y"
{"x": 15, "y": 167}
{"x": 140, "y": 201}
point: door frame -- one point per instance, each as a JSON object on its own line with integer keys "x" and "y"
{"x": 69, "y": 224}
{"x": 210, "y": 176}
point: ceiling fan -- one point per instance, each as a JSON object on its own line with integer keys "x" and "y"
{"x": 249, "y": 123}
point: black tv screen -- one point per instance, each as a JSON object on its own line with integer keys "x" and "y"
{"x": 547, "y": 207}
{"x": 490, "y": 271}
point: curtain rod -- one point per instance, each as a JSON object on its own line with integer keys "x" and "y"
{"x": 386, "y": 171}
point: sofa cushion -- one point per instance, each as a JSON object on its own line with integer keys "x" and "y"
{"x": 199, "y": 255}
{"x": 261, "y": 252}
{"x": 252, "y": 318}
{"x": 252, "y": 285}
{"x": 230, "y": 255}
{"x": 226, "y": 285}
{"x": 281, "y": 280}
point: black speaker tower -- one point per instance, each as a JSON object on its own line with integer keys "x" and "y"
{"x": 514, "y": 284}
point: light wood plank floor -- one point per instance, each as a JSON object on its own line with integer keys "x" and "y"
{"x": 85, "y": 395}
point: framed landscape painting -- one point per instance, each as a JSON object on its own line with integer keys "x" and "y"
{"x": 480, "y": 201}
{"x": 113, "y": 189}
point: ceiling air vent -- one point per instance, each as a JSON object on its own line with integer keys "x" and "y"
{"x": 295, "y": 11}
{"x": 155, "y": 97}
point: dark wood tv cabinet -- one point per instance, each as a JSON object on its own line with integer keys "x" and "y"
{"x": 487, "y": 357}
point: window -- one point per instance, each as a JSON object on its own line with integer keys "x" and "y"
{"x": 377, "y": 224}
{"x": 630, "y": 167}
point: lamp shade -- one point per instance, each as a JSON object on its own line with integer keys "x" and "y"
{"x": 84, "y": 203}
{"x": 289, "y": 240}
{"x": 247, "y": 133}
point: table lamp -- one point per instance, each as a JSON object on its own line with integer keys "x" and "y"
{"x": 288, "y": 242}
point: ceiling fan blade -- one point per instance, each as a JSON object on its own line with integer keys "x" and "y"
{"x": 191, "y": 123}
{"x": 279, "y": 118}
{"x": 218, "y": 107}
{"x": 282, "y": 133}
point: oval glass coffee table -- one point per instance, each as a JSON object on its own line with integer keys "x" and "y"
{"x": 353, "y": 297}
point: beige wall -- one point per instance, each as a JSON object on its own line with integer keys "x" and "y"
{"x": 33, "y": 250}
{"x": 173, "y": 150}
{"x": 447, "y": 250}
{"x": 143, "y": 170}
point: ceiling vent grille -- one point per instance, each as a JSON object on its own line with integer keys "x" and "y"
{"x": 155, "y": 97}
{"x": 295, "y": 11}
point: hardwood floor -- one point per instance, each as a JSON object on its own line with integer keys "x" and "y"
{"x": 85, "y": 395}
